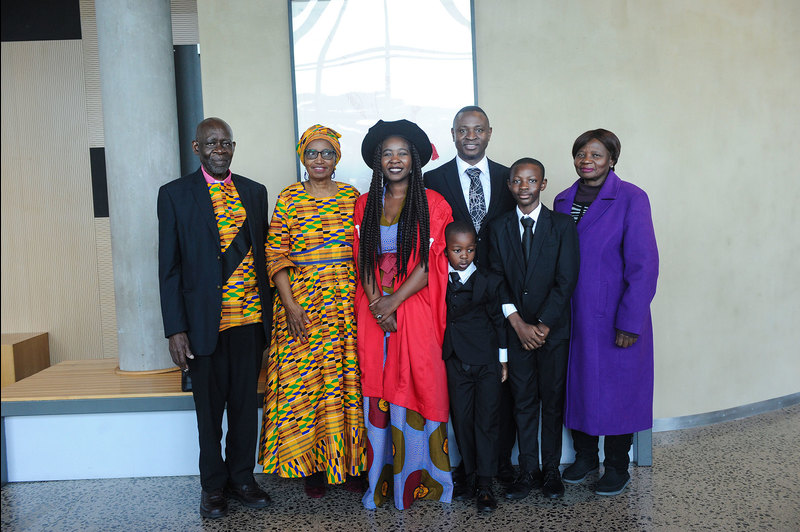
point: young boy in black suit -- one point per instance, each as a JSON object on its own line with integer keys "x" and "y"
{"x": 536, "y": 252}
{"x": 475, "y": 360}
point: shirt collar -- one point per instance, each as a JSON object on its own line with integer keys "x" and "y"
{"x": 534, "y": 213}
{"x": 463, "y": 275}
{"x": 483, "y": 165}
{"x": 210, "y": 180}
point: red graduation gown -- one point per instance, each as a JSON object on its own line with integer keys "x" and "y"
{"x": 414, "y": 374}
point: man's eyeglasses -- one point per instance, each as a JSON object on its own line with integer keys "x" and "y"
{"x": 326, "y": 154}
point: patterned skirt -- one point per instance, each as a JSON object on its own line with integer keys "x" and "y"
{"x": 407, "y": 456}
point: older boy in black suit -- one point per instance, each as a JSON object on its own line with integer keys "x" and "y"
{"x": 536, "y": 251}
{"x": 475, "y": 359}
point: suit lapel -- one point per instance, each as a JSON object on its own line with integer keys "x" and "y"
{"x": 496, "y": 182}
{"x": 203, "y": 200}
{"x": 540, "y": 234}
{"x": 567, "y": 200}
{"x": 513, "y": 240}
{"x": 605, "y": 198}
{"x": 453, "y": 182}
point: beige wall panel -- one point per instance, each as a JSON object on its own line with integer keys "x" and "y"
{"x": 91, "y": 75}
{"x": 49, "y": 273}
{"x": 184, "y": 22}
{"x": 247, "y": 81}
{"x": 704, "y": 97}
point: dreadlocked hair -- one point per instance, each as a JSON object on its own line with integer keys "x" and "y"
{"x": 413, "y": 217}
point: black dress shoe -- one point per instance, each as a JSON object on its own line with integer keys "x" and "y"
{"x": 552, "y": 487}
{"x": 250, "y": 495}
{"x": 213, "y": 504}
{"x": 506, "y": 473}
{"x": 613, "y": 482}
{"x": 577, "y": 472}
{"x": 458, "y": 473}
{"x": 485, "y": 500}
{"x": 523, "y": 485}
{"x": 464, "y": 490}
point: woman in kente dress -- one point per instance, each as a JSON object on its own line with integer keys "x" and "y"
{"x": 400, "y": 309}
{"x": 313, "y": 423}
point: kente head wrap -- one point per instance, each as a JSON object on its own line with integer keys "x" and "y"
{"x": 318, "y": 131}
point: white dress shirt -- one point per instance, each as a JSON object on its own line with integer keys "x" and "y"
{"x": 464, "y": 277}
{"x": 483, "y": 166}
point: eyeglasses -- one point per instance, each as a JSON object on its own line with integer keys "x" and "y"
{"x": 326, "y": 154}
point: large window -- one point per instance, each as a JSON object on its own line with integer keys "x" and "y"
{"x": 357, "y": 61}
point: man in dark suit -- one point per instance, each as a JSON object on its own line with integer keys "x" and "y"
{"x": 536, "y": 251}
{"x": 474, "y": 351}
{"x": 476, "y": 189}
{"x": 216, "y": 304}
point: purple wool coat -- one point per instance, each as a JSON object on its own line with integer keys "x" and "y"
{"x": 610, "y": 389}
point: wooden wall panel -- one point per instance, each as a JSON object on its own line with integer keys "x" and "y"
{"x": 57, "y": 273}
{"x": 105, "y": 278}
{"x": 91, "y": 69}
{"x": 184, "y": 22}
{"x": 49, "y": 252}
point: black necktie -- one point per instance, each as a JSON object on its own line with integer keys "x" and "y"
{"x": 456, "y": 279}
{"x": 527, "y": 236}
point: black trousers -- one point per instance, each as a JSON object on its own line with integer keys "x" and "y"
{"x": 474, "y": 402}
{"x": 538, "y": 381}
{"x": 229, "y": 376}
{"x": 507, "y": 427}
{"x": 615, "y": 448}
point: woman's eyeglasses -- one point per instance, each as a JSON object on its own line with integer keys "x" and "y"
{"x": 326, "y": 154}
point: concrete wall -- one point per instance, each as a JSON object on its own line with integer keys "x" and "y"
{"x": 247, "y": 81}
{"x": 705, "y": 97}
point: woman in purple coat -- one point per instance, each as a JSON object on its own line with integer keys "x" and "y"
{"x": 610, "y": 376}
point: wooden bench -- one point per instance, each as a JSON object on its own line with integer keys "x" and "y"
{"x": 23, "y": 354}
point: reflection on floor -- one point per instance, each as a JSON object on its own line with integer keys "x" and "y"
{"x": 739, "y": 475}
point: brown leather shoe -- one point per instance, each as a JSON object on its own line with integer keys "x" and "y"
{"x": 213, "y": 504}
{"x": 250, "y": 495}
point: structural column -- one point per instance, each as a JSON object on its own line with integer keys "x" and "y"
{"x": 137, "y": 76}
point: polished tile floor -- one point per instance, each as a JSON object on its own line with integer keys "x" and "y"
{"x": 739, "y": 475}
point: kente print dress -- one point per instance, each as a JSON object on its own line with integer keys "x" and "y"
{"x": 313, "y": 419}
{"x": 403, "y": 376}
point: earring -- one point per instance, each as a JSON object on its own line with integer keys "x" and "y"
{"x": 305, "y": 176}
{"x": 333, "y": 175}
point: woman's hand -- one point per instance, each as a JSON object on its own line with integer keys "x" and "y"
{"x": 383, "y": 307}
{"x": 504, "y": 371}
{"x": 296, "y": 321}
{"x": 296, "y": 317}
{"x": 625, "y": 340}
{"x": 389, "y": 323}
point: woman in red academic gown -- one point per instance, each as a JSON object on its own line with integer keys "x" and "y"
{"x": 400, "y": 313}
